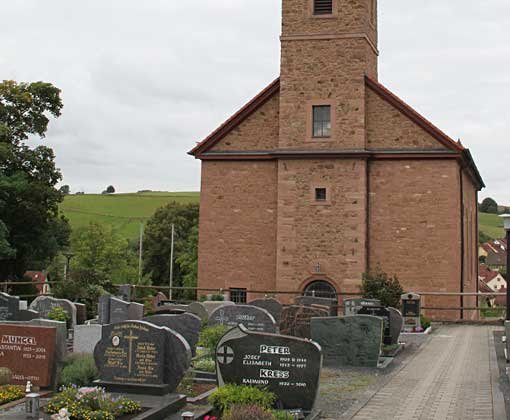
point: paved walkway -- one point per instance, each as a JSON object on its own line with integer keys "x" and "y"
{"x": 453, "y": 376}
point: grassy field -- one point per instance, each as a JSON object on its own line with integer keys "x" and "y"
{"x": 123, "y": 211}
{"x": 491, "y": 225}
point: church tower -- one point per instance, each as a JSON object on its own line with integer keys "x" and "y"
{"x": 327, "y": 47}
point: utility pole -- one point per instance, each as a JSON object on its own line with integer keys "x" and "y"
{"x": 140, "y": 254}
{"x": 171, "y": 279}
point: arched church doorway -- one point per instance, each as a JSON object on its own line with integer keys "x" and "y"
{"x": 320, "y": 288}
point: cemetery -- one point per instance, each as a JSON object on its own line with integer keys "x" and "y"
{"x": 167, "y": 359}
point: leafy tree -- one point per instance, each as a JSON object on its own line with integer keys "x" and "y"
{"x": 105, "y": 255}
{"x": 378, "y": 285}
{"x": 65, "y": 190}
{"x": 32, "y": 231}
{"x": 489, "y": 205}
{"x": 157, "y": 245}
{"x": 110, "y": 189}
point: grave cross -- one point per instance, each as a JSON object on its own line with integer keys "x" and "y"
{"x": 130, "y": 338}
{"x": 225, "y": 355}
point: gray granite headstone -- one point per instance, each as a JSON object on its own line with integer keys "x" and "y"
{"x": 352, "y": 306}
{"x": 271, "y": 305}
{"x": 396, "y": 324}
{"x": 211, "y": 305}
{"x": 252, "y": 317}
{"x": 125, "y": 292}
{"x": 188, "y": 325}
{"x": 86, "y": 337}
{"x": 139, "y": 357}
{"x": 44, "y": 305}
{"x": 195, "y": 308}
{"x": 289, "y": 367}
{"x": 9, "y": 307}
{"x": 27, "y": 315}
{"x": 332, "y": 304}
{"x": 113, "y": 310}
{"x": 349, "y": 341}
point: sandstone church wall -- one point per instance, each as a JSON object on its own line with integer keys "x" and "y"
{"x": 238, "y": 227}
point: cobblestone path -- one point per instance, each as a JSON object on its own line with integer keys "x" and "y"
{"x": 454, "y": 376}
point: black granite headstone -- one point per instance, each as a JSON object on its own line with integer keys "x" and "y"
{"x": 253, "y": 318}
{"x": 113, "y": 310}
{"x": 103, "y": 309}
{"x": 383, "y": 313}
{"x": 352, "y": 306}
{"x": 270, "y": 305}
{"x": 9, "y": 307}
{"x": 125, "y": 292}
{"x": 287, "y": 366}
{"x": 186, "y": 324}
{"x": 139, "y": 357}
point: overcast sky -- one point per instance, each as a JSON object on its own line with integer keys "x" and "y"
{"x": 142, "y": 81}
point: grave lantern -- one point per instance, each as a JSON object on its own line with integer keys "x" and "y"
{"x": 188, "y": 415}
{"x": 32, "y": 405}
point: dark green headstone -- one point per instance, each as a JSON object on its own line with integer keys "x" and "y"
{"x": 349, "y": 341}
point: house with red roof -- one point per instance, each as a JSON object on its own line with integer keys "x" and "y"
{"x": 40, "y": 279}
{"x": 493, "y": 253}
{"x": 326, "y": 174}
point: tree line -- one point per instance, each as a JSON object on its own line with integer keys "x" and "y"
{"x": 35, "y": 236}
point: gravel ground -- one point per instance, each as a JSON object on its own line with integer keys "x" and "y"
{"x": 344, "y": 390}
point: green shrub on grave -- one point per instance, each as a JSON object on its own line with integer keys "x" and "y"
{"x": 227, "y": 396}
{"x": 79, "y": 370}
{"x": 425, "y": 322}
{"x": 58, "y": 313}
{"x": 248, "y": 412}
{"x": 205, "y": 364}
{"x": 210, "y": 336}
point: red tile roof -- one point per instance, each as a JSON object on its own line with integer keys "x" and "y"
{"x": 38, "y": 277}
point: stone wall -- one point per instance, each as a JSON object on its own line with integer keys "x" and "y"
{"x": 237, "y": 225}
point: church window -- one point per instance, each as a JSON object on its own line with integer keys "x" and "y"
{"x": 322, "y": 7}
{"x": 321, "y": 194}
{"x": 321, "y": 121}
{"x": 238, "y": 295}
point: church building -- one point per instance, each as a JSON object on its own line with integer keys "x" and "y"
{"x": 326, "y": 175}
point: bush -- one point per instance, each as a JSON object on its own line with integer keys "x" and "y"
{"x": 217, "y": 297}
{"x": 225, "y": 397}
{"x": 210, "y": 336}
{"x": 282, "y": 415}
{"x": 205, "y": 364}
{"x": 248, "y": 412}
{"x": 80, "y": 370}
{"x": 58, "y": 313}
{"x": 425, "y": 322}
{"x": 378, "y": 285}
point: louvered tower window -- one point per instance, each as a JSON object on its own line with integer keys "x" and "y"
{"x": 323, "y": 7}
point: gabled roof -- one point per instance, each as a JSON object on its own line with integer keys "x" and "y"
{"x": 237, "y": 118}
{"x": 376, "y": 87}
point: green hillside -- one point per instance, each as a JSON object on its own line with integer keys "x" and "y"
{"x": 123, "y": 211}
{"x": 492, "y": 225}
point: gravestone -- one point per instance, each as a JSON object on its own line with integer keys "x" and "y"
{"x": 9, "y": 307}
{"x": 27, "y": 315}
{"x": 196, "y": 308}
{"x": 287, "y": 366}
{"x": 44, "y": 305}
{"x": 211, "y": 305}
{"x": 331, "y": 304}
{"x": 270, "y": 305}
{"x": 383, "y": 313}
{"x": 352, "y": 306}
{"x": 186, "y": 324}
{"x": 411, "y": 311}
{"x": 349, "y": 341}
{"x": 86, "y": 337}
{"x": 81, "y": 313}
{"x": 253, "y": 318}
{"x": 28, "y": 351}
{"x": 125, "y": 292}
{"x": 157, "y": 299}
{"x": 396, "y": 324}
{"x": 296, "y": 320}
{"x": 113, "y": 310}
{"x": 139, "y": 357}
